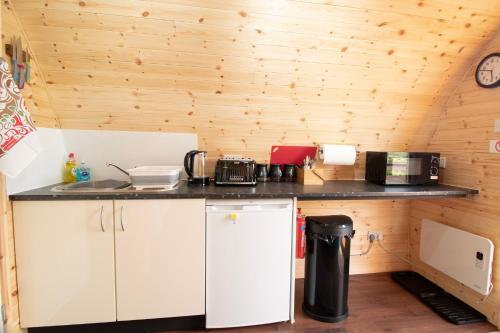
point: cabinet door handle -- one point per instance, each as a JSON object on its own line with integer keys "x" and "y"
{"x": 102, "y": 224}
{"x": 121, "y": 218}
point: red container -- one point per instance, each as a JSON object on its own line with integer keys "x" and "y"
{"x": 301, "y": 235}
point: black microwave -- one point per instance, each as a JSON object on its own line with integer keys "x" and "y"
{"x": 402, "y": 168}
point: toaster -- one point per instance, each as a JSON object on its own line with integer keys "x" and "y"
{"x": 235, "y": 171}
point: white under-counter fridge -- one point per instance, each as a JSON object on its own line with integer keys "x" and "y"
{"x": 249, "y": 264}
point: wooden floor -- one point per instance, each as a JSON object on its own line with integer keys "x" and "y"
{"x": 376, "y": 304}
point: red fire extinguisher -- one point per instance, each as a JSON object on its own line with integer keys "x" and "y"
{"x": 301, "y": 234}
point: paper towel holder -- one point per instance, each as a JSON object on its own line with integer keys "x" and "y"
{"x": 321, "y": 151}
{"x": 320, "y": 156}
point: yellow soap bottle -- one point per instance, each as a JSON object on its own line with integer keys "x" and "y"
{"x": 70, "y": 169}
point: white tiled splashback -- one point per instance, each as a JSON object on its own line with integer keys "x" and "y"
{"x": 124, "y": 148}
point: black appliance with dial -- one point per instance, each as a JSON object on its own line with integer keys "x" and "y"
{"x": 402, "y": 168}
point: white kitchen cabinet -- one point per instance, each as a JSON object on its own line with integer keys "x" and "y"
{"x": 65, "y": 262}
{"x": 160, "y": 258}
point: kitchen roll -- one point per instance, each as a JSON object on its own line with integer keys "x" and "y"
{"x": 338, "y": 154}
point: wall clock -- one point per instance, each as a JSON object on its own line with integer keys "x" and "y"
{"x": 488, "y": 71}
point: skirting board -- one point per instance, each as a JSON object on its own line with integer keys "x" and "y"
{"x": 461, "y": 255}
{"x": 135, "y": 326}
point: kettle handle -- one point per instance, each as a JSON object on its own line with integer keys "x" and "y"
{"x": 187, "y": 163}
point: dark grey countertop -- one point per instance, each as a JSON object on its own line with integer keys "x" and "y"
{"x": 331, "y": 190}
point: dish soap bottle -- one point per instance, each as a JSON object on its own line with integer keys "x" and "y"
{"x": 83, "y": 172}
{"x": 70, "y": 169}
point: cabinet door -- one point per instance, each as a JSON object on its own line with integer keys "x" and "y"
{"x": 65, "y": 262}
{"x": 160, "y": 258}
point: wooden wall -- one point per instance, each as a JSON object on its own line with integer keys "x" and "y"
{"x": 247, "y": 74}
{"x": 7, "y": 262}
{"x": 387, "y": 216}
{"x": 38, "y": 102}
{"x": 463, "y": 134}
{"x": 35, "y": 93}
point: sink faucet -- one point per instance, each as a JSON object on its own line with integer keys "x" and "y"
{"x": 116, "y": 166}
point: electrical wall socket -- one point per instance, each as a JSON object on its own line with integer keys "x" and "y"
{"x": 376, "y": 234}
{"x": 442, "y": 162}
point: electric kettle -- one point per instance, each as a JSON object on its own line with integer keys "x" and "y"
{"x": 195, "y": 164}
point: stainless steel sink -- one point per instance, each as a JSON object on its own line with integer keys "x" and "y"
{"x": 107, "y": 185}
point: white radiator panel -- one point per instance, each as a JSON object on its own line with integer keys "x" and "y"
{"x": 457, "y": 254}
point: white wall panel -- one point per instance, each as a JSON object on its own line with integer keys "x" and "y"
{"x": 127, "y": 149}
{"x": 97, "y": 148}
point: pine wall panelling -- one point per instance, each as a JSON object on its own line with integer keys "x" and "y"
{"x": 4, "y": 271}
{"x": 35, "y": 92}
{"x": 462, "y": 136}
{"x": 38, "y": 104}
{"x": 247, "y": 74}
{"x": 387, "y": 216}
{"x": 244, "y": 75}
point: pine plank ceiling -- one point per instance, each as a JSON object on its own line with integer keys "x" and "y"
{"x": 248, "y": 73}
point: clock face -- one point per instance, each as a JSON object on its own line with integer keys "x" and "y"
{"x": 488, "y": 71}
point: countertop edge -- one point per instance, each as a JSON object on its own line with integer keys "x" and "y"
{"x": 330, "y": 190}
{"x": 384, "y": 197}
{"x": 299, "y": 196}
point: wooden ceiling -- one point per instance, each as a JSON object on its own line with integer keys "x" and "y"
{"x": 250, "y": 73}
